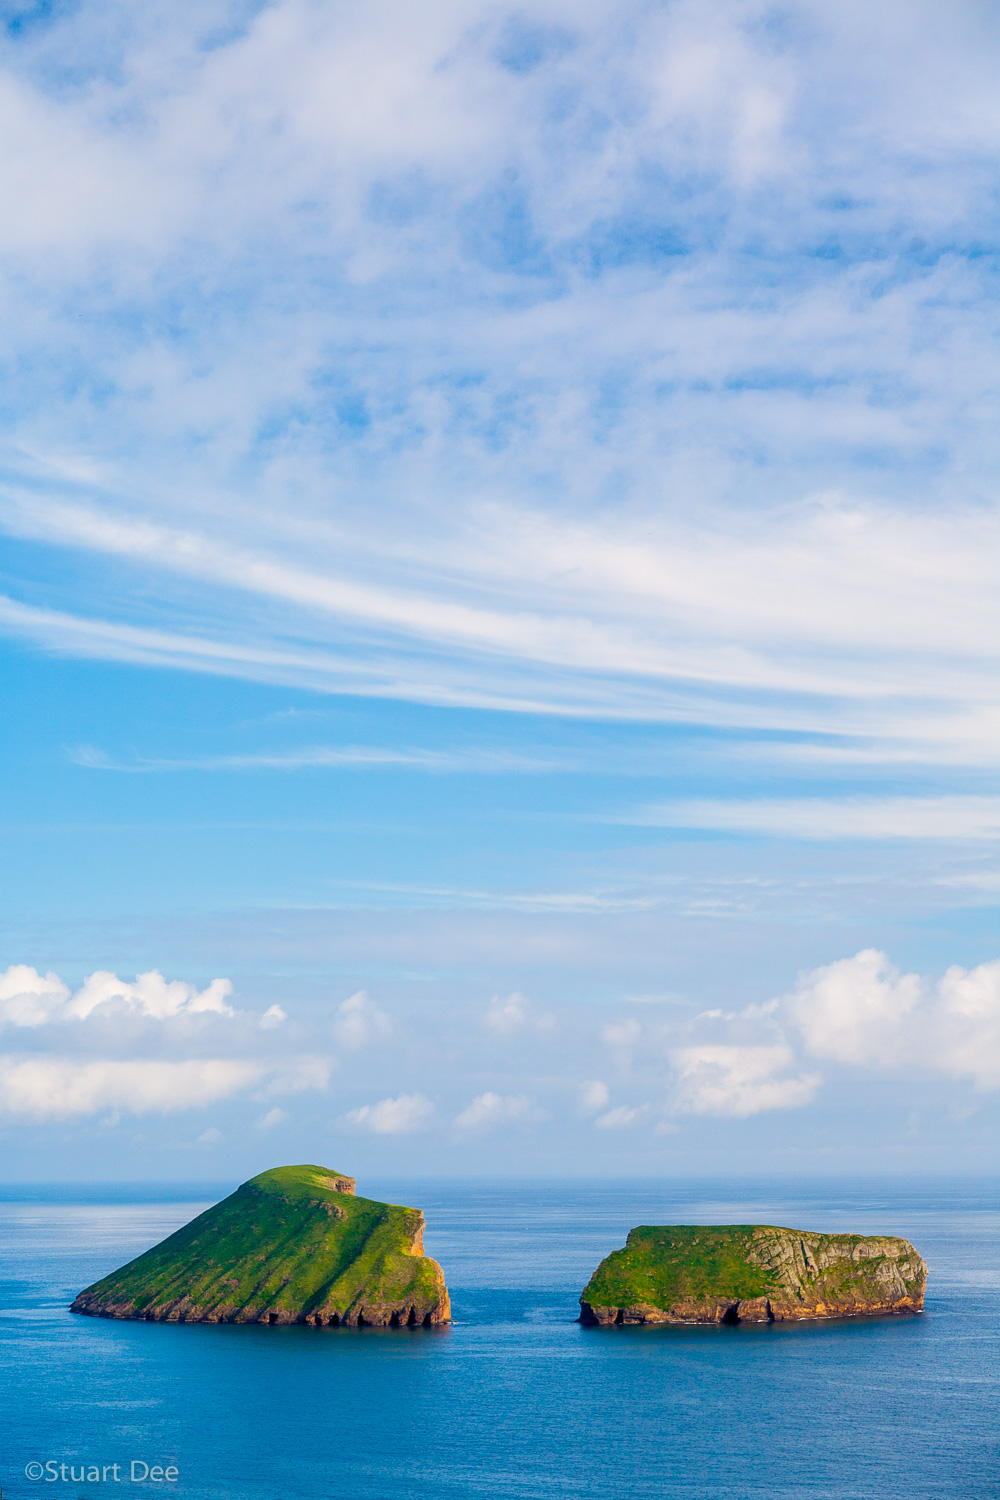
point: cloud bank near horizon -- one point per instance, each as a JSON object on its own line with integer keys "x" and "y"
{"x": 858, "y": 1016}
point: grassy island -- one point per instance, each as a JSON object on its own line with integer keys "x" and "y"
{"x": 733, "y": 1273}
{"x": 294, "y": 1245}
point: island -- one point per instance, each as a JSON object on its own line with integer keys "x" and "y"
{"x": 751, "y": 1273}
{"x": 294, "y": 1245}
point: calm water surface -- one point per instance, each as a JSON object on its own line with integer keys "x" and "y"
{"x": 516, "y": 1399}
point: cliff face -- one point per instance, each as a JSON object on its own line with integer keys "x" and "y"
{"x": 294, "y": 1245}
{"x": 752, "y": 1273}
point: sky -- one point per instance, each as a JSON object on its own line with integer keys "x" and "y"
{"x": 499, "y": 535}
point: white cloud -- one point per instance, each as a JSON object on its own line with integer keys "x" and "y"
{"x": 28, "y": 999}
{"x": 622, "y": 1035}
{"x": 542, "y": 499}
{"x": 357, "y": 757}
{"x": 209, "y": 1138}
{"x": 951, "y": 817}
{"x": 273, "y": 1117}
{"x": 272, "y": 1018}
{"x": 861, "y": 1010}
{"x": 400, "y": 1116}
{"x": 633, "y": 669}
{"x": 79, "y": 636}
{"x": 969, "y": 1023}
{"x": 495, "y": 1109}
{"x": 61, "y": 1087}
{"x": 359, "y": 1021}
{"x": 506, "y": 1016}
{"x": 54, "y": 1085}
{"x": 569, "y": 902}
{"x": 296, "y": 1075}
{"x": 151, "y": 995}
{"x": 617, "y": 1119}
{"x": 594, "y": 1095}
{"x": 856, "y": 1010}
{"x": 737, "y": 1081}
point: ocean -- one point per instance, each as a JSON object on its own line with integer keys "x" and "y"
{"x": 516, "y": 1399}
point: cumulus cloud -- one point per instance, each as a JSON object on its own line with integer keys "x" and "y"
{"x": 273, "y": 1117}
{"x": 52, "y": 1084}
{"x": 594, "y": 1095}
{"x": 400, "y": 1116}
{"x": 506, "y": 1016}
{"x": 151, "y": 995}
{"x": 495, "y": 1109}
{"x": 969, "y": 1007}
{"x": 29, "y": 999}
{"x": 855, "y": 1010}
{"x": 739, "y": 1081}
{"x": 61, "y": 1087}
{"x": 622, "y": 1035}
{"x": 359, "y": 1021}
{"x": 862, "y": 1010}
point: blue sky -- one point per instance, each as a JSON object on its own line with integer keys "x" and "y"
{"x": 498, "y": 553}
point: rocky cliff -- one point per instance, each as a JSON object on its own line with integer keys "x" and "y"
{"x": 294, "y": 1245}
{"x": 752, "y": 1273}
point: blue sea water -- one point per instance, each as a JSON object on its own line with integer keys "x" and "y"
{"x": 516, "y": 1399}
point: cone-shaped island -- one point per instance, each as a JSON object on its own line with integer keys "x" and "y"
{"x": 752, "y": 1273}
{"x": 294, "y": 1245}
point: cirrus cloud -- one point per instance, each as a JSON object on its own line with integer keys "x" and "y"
{"x": 526, "y": 427}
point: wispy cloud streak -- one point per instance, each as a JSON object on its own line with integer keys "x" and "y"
{"x": 954, "y": 817}
{"x": 320, "y": 757}
{"x": 614, "y": 362}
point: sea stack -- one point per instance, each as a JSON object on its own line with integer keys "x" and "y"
{"x": 294, "y": 1245}
{"x": 752, "y": 1273}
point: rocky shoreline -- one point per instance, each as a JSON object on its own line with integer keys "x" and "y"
{"x": 752, "y": 1274}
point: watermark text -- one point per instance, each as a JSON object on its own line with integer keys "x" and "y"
{"x": 135, "y": 1471}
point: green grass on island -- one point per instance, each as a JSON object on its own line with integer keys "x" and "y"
{"x": 290, "y": 1245}
{"x": 685, "y": 1271}
{"x": 661, "y": 1266}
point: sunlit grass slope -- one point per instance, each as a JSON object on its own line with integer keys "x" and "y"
{"x": 293, "y": 1245}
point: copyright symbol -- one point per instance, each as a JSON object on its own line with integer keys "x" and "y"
{"x": 33, "y": 1470}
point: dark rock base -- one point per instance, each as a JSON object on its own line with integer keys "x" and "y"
{"x": 749, "y": 1310}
